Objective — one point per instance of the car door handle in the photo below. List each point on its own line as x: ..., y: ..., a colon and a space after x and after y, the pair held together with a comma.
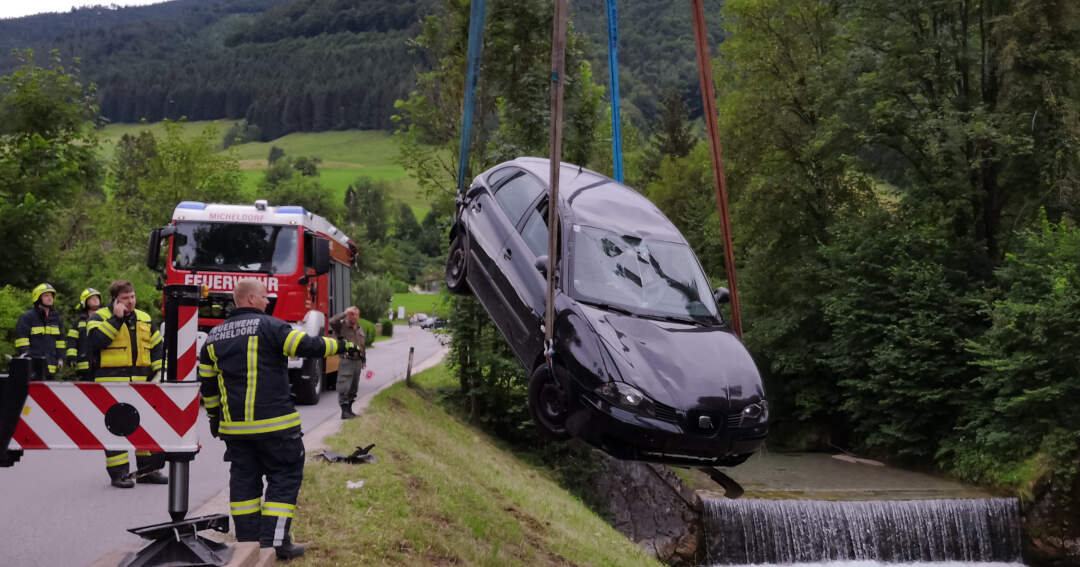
x: 476, y: 207
x: 507, y: 254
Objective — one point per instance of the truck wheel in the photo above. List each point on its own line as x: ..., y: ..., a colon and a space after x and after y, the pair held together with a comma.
x: 548, y: 404
x: 455, y: 266
x: 308, y: 390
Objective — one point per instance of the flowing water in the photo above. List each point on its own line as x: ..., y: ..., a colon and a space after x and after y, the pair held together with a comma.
x: 970, y: 532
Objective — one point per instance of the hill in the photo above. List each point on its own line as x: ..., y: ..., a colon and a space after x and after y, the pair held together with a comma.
x: 314, y: 65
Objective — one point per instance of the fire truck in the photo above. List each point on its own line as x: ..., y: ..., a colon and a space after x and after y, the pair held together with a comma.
x: 304, y: 261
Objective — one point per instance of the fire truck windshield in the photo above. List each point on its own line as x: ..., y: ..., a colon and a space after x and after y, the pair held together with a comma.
x: 234, y: 247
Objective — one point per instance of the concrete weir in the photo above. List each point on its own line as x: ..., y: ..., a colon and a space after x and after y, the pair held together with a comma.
x: 755, y: 531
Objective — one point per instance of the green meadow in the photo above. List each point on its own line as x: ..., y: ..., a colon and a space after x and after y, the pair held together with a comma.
x: 346, y: 156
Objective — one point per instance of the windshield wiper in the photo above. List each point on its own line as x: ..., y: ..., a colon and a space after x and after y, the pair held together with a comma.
x: 609, y: 307
x: 673, y: 319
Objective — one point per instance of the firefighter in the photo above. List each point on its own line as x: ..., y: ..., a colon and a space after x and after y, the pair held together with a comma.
x: 37, y: 333
x: 77, y: 348
x: 245, y: 389
x: 124, y: 347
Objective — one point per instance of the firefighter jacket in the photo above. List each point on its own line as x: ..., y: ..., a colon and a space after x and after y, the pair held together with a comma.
x: 39, y: 336
x: 243, y: 367
x: 78, y: 348
x: 127, y: 349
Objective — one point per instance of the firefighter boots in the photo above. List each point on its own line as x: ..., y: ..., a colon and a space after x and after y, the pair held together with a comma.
x: 289, y: 550
x: 346, y: 411
x: 153, y: 478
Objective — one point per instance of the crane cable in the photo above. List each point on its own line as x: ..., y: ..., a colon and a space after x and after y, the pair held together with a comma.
x: 558, y: 64
x: 708, y: 97
x: 613, y: 72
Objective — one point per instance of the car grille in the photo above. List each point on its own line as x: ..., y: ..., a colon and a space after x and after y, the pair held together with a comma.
x: 734, y: 420
x: 666, y: 413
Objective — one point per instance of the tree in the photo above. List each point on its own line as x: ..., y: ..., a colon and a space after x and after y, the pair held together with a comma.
x: 276, y: 153
x: 47, y: 163
x: 365, y: 204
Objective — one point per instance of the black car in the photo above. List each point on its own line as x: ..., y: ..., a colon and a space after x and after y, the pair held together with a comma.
x: 644, y: 366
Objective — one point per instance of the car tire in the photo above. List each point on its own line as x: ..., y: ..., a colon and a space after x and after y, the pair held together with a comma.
x: 548, y: 404
x: 308, y: 391
x: 456, y: 261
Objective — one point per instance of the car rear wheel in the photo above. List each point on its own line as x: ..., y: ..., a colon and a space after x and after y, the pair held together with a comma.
x: 455, y: 266
x: 548, y: 404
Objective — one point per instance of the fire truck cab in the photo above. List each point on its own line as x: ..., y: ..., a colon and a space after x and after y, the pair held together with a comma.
x: 304, y: 261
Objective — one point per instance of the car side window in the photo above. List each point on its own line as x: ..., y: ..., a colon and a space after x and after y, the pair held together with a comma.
x: 498, y: 176
x: 535, y: 232
x: 515, y: 195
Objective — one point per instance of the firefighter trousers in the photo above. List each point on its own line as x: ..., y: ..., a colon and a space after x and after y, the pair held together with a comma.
x: 116, y: 462
x: 258, y: 517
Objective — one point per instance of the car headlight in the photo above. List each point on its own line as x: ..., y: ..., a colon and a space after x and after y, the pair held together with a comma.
x: 754, y: 413
x: 625, y: 396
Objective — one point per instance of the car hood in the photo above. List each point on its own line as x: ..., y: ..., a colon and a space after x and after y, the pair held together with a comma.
x: 681, y: 365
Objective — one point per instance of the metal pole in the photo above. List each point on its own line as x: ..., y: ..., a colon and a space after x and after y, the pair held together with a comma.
x: 408, y: 370
x: 558, y: 64
x: 708, y: 96
x: 476, y: 48
x: 613, y: 71
x: 178, y: 489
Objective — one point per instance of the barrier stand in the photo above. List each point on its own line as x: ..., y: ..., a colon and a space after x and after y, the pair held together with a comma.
x: 125, y: 416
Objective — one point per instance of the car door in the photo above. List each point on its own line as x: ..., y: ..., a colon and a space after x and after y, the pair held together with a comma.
x: 492, y: 219
x: 524, y: 287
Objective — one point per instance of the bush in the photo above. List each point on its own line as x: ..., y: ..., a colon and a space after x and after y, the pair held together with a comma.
x: 387, y: 327
x: 371, y: 295
x: 13, y: 301
x: 369, y: 331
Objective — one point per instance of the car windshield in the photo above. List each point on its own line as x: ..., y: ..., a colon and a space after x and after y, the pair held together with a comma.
x: 232, y: 247
x: 648, y: 277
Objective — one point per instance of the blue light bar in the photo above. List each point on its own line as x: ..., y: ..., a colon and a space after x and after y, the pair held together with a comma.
x: 193, y: 205
x: 292, y: 209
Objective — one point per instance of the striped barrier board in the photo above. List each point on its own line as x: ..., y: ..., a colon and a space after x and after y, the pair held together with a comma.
x: 119, y: 416
x: 187, y: 357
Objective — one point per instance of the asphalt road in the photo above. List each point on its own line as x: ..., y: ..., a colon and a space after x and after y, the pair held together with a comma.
x: 57, y: 507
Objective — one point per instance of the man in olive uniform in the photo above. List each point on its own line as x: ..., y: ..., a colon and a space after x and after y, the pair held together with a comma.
x: 347, y: 326
x: 37, y: 332
x: 243, y: 369
x: 78, y: 352
x: 124, y: 347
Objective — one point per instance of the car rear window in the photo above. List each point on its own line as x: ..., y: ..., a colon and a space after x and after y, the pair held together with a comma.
x: 517, y: 194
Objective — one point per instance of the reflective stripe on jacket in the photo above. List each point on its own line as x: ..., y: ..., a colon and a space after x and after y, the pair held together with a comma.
x: 40, y: 335
x: 245, y: 377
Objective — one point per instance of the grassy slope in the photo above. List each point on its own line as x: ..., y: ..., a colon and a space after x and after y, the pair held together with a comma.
x: 346, y: 156
x: 443, y: 493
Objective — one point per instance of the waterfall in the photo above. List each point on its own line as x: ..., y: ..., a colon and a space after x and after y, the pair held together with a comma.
x: 751, y: 531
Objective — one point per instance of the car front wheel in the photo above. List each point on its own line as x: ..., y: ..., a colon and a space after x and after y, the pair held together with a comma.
x: 455, y: 266
x: 547, y: 404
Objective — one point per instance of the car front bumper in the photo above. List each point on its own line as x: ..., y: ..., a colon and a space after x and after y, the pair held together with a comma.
x: 631, y: 436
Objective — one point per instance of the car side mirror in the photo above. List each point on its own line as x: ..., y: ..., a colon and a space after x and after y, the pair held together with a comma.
x: 474, y: 191
x: 722, y: 295
x: 542, y: 265
x: 322, y: 256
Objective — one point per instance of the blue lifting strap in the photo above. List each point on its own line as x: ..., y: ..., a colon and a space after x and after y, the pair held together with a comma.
x: 613, y: 69
x: 476, y: 48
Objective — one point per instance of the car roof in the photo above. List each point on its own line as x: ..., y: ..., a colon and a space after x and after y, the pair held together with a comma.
x: 593, y: 199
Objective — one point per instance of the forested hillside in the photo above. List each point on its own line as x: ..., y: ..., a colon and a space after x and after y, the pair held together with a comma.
x: 316, y: 65
x: 285, y: 66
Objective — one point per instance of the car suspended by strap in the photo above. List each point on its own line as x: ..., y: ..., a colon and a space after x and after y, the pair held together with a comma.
x: 645, y: 366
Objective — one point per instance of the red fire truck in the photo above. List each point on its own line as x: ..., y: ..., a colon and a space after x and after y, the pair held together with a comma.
x: 304, y: 261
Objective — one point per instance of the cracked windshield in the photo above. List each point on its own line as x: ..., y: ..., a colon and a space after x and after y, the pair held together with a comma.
x: 649, y: 277
x: 235, y: 248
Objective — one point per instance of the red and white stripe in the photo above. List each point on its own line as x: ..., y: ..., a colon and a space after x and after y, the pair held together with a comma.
x: 71, y: 415
x: 187, y: 355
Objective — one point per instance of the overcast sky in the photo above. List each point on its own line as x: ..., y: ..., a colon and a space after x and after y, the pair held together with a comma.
x: 17, y: 8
